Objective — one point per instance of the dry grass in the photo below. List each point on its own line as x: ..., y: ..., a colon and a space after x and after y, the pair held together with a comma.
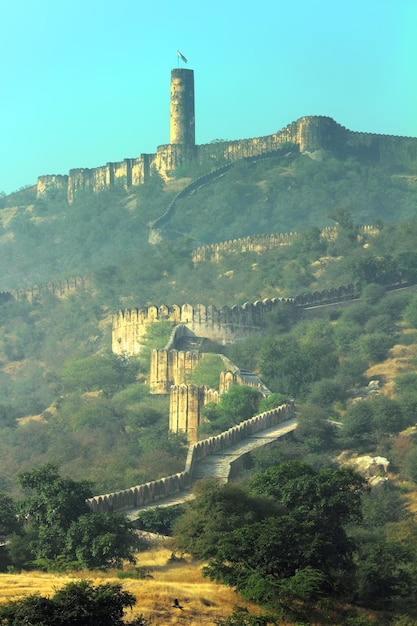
x: 399, y: 361
x: 203, y: 601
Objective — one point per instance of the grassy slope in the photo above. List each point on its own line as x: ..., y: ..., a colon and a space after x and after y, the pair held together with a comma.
x: 203, y: 600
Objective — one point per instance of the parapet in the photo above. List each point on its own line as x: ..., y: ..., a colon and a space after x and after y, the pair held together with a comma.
x: 225, y: 324
x: 307, y: 134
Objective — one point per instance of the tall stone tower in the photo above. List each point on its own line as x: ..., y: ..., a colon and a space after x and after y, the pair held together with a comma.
x: 182, y: 122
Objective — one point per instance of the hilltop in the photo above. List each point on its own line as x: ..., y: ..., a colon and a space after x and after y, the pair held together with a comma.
x: 106, y: 230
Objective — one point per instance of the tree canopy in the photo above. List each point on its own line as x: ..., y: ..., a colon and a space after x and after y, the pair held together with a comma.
x: 78, y: 602
x: 62, y: 531
x: 289, y: 525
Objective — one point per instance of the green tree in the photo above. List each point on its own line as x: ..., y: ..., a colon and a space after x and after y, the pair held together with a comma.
x: 372, y: 293
x: 101, y: 540
x: 406, y: 264
x: 215, y: 511
x: 383, y: 573
x: 207, y: 371
x: 304, y: 549
x: 411, y: 464
x: 325, y: 392
x: 289, y: 367
x: 269, y: 482
x: 159, y: 520
x: 79, y: 603
x: 334, y: 495
x: 375, y: 347
x: 107, y: 373
x: 257, y: 559
x: 63, y: 528
x: 9, y: 522
x: 55, y: 500
x: 272, y: 401
x: 410, y: 313
x: 282, y: 366
x: 358, y: 425
x: 387, y: 415
x: 314, y: 430
x: 238, y: 404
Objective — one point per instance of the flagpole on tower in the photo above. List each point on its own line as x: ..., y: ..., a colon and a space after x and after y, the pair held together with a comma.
x: 182, y: 57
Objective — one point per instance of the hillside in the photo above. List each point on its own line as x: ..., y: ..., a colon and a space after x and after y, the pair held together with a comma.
x: 203, y: 600
x: 278, y: 194
x: 105, y: 236
x: 65, y: 398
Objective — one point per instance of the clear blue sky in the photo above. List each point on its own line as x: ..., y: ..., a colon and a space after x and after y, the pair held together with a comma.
x: 87, y: 81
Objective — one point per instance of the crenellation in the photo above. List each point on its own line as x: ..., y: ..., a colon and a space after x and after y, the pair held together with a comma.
x: 223, y: 325
x: 260, y: 243
x: 59, y: 289
x: 51, y: 181
x: 308, y: 134
x: 154, y: 491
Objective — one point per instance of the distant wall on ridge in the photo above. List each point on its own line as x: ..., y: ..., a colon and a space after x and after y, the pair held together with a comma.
x: 308, y: 134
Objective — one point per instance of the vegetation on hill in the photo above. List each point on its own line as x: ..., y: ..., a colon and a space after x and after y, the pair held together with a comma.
x: 279, y: 194
x: 65, y: 399
x: 77, y: 603
x: 53, y: 528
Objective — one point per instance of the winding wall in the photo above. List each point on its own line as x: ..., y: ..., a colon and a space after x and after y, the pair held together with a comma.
x: 156, y: 490
x: 225, y: 325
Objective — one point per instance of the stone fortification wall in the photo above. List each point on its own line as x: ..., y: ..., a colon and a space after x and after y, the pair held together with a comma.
x: 185, y: 408
x: 154, y: 491
x: 239, y: 377
x: 51, y: 181
x: 186, y: 401
x: 259, y: 243
x: 308, y: 134
x: 129, y: 173
x: 387, y: 149
x: 170, y: 367
x: 196, y: 184
x: 59, y: 289
x: 225, y: 324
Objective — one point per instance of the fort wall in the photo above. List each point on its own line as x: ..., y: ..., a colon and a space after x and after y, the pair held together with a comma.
x: 307, y: 134
x: 170, y: 367
x: 225, y: 324
x: 237, y: 377
x: 260, y: 243
x: 60, y: 289
x: 154, y: 491
x: 185, y: 408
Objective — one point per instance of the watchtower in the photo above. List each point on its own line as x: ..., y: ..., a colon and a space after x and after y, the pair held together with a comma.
x: 182, y: 120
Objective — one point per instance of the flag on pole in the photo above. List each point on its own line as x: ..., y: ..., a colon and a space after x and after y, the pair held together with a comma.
x: 182, y: 57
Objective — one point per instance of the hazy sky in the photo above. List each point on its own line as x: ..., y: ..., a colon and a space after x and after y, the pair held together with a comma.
x: 87, y: 81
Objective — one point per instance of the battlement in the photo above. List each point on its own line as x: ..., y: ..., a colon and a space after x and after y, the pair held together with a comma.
x: 307, y: 134
x: 157, y: 490
x: 60, y: 289
x: 222, y: 325
x: 259, y: 243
